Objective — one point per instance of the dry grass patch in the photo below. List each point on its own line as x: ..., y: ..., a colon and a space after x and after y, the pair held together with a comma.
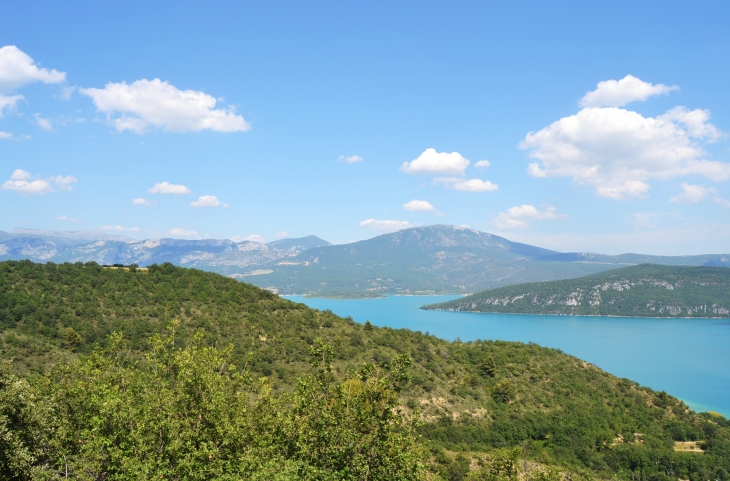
x: 688, y: 447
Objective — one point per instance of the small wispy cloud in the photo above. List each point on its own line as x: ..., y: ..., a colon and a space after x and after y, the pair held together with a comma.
x: 350, y: 159
x: 43, y: 123
x: 723, y: 202
x: 418, y: 206
x: 206, y: 201
x: 254, y: 238
x: 168, y: 188
x: 141, y: 201
x: 432, y: 162
x: 12, y: 136
x: 467, y: 185
x: 692, y: 194
x: 180, y: 232
x: 520, y: 216
x: 118, y: 228
x: 385, y: 225
x: 63, y: 218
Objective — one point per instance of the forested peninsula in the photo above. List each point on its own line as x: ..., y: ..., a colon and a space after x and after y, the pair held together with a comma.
x: 645, y: 290
x: 173, y: 373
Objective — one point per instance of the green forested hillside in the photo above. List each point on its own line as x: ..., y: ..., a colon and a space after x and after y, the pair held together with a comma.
x: 644, y: 291
x: 474, y: 398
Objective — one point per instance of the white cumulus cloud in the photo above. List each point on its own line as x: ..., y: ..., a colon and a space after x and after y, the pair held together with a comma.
x: 419, y: 206
x: 22, y: 182
x: 18, y: 69
x: 615, y: 93
x: 168, y: 188
x: 467, y: 185
x: 20, y: 174
x: 180, y: 232
x: 255, y: 238
x: 350, y: 159
x: 33, y: 187
x: 692, y: 193
x: 206, y: 201
x: 481, y: 164
x: 520, y: 216
x: 696, y: 122
x: 617, y: 151
x: 155, y: 103
x: 64, y: 183
x: 385, y: 225
x: 475, y: 185
x: 432, y: 162
x: 141, y: 201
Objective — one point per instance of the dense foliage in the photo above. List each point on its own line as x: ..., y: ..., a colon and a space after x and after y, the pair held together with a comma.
x: 644, y: 291
x: 477, y: 400
x: 188, y: 413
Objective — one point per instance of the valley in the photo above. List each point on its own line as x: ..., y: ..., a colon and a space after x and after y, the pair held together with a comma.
x: 475, y: 398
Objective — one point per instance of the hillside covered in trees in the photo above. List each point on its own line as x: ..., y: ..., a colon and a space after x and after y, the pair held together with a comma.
x: 173, y: 373
x: 645, y: 290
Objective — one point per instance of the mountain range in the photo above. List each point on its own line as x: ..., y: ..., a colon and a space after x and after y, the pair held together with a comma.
x: 421, y: 260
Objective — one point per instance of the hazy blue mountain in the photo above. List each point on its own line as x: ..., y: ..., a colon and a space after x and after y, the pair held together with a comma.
x: 645, y: 290
x: 721, y: 260
x: 432, y: 259
x: 210, y: 254
x: 35, y: 249
x: 438, y: 259
x: 298, y: 244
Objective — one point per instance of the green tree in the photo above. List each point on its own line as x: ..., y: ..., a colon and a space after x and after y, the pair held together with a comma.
x: 503, y: 391
x: 354, y: 428
x: 186, y: 412
x: 502, y: 466
x: 24, y: 426
x: 71, y: 339
x: 488, y: 367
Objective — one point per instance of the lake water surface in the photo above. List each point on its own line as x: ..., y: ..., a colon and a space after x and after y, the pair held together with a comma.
x: 688, y: 358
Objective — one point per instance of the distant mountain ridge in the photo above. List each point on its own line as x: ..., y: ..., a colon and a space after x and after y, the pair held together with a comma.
x: 645, y: 290
x: 632, y: 259
x: 434, y: 259
x: 438, y: 259
x: 208, y: 254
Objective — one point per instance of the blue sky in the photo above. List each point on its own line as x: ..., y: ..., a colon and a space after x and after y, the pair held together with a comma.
x: 292, y: 118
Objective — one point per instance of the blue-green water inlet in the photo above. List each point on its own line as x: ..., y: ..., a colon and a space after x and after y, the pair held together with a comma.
x: 688, y: 358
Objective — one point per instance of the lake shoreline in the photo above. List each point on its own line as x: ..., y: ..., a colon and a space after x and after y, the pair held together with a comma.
x: 689, y: 360
x: 572, y: 315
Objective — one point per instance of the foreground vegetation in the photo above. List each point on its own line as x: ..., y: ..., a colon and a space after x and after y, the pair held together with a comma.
x: 187, y: 399
x: 644, y: 291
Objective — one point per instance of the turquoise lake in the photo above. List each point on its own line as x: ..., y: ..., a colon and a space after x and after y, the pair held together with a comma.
x: 688, y: 358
